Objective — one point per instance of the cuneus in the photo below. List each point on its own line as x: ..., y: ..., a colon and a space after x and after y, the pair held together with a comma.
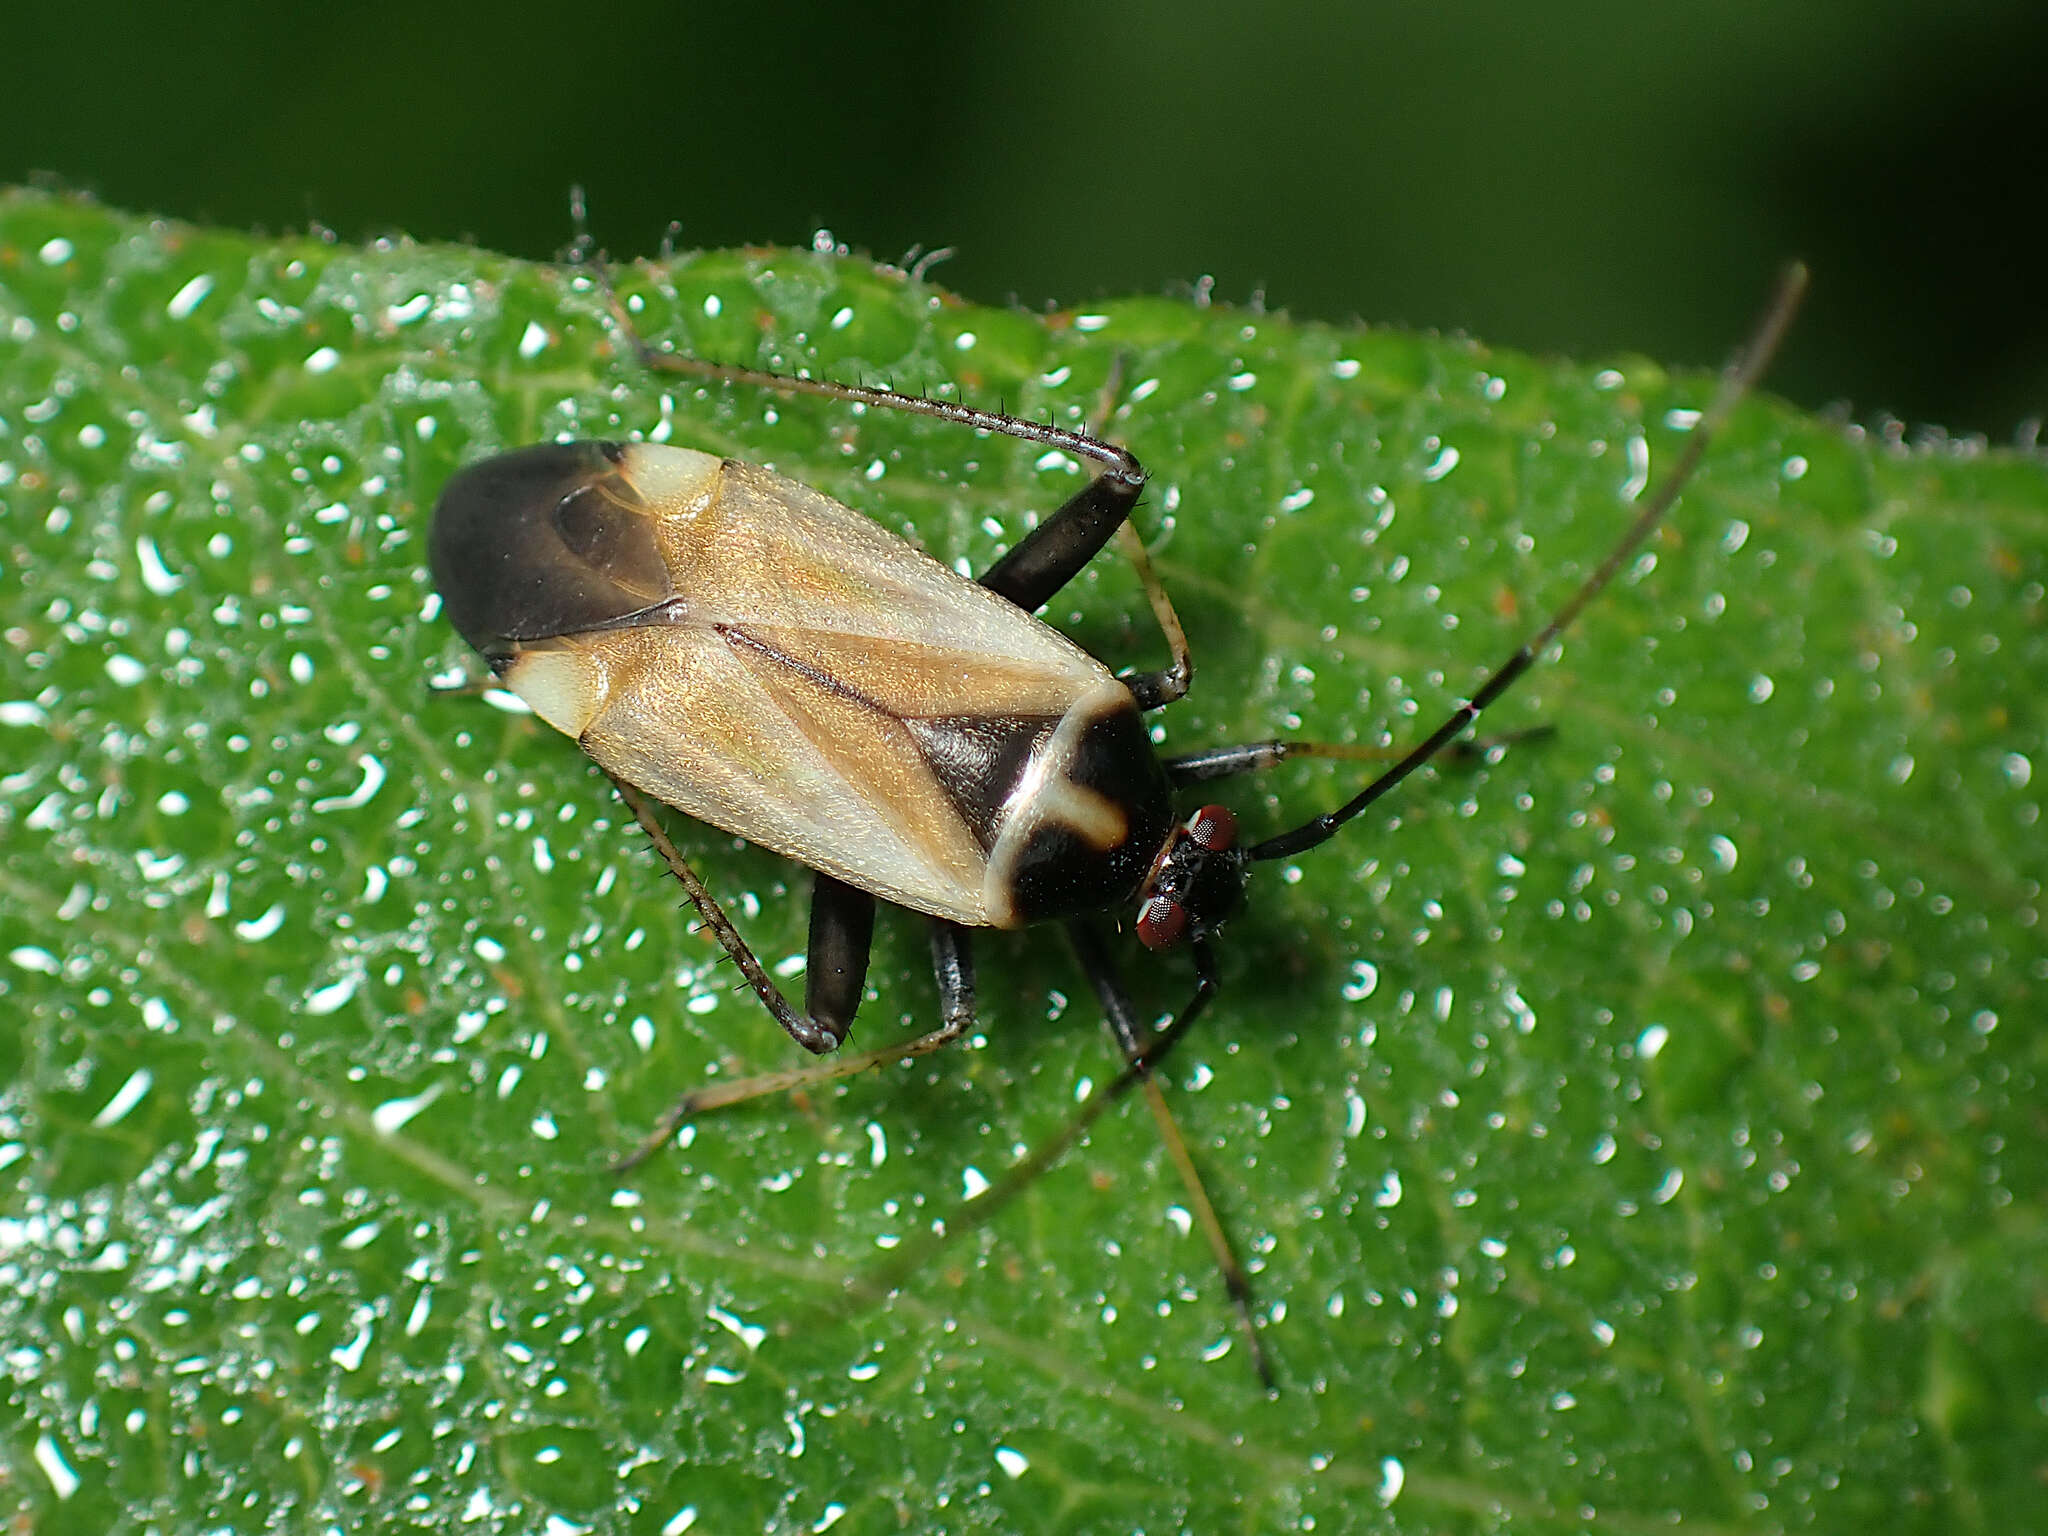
x: 750, y: 651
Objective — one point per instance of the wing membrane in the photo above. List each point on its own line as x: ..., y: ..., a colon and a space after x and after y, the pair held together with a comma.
x: 790, y: 693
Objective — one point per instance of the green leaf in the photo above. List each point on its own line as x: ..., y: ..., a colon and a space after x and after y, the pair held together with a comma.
x: 1644, y: 1127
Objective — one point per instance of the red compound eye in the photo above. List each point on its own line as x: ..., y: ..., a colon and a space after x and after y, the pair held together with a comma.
x: 1161, y: 922
x: 1214, y: 828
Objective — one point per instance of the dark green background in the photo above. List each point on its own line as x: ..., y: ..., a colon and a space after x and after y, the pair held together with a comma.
x: 1581, y: 177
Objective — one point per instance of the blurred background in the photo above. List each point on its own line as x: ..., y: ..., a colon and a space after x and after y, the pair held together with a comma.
x: 1583, y: 175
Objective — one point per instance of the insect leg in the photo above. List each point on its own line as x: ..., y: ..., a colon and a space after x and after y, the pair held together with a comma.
x: 952, y: 960
x: 1152, y: 689
x: 1141, y: 1054
x: 953, y: 965
x: 877, y: 1283
x: 836, y: 960
x: 1051, y: 554
x: 842, y: 924
x: 1117, y: 464
x: 1054, y: 552
x: 807, y: 1032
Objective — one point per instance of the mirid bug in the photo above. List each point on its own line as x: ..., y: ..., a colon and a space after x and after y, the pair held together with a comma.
x: 765, y: 659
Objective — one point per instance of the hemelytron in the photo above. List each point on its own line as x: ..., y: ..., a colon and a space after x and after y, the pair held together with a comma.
x: 765, y: 659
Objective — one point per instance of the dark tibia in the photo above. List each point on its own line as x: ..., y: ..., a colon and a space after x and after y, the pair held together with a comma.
x: 842, y: 929
x: 1052, y: 554
x: 953, y: 965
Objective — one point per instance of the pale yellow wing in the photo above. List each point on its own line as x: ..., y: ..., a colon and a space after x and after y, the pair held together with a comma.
x: 777, y: 698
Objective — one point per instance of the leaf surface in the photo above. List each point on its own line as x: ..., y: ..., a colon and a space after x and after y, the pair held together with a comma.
x: 1641, y: 1127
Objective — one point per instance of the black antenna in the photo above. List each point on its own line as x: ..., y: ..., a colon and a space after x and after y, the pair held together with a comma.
x: 1735, y: 384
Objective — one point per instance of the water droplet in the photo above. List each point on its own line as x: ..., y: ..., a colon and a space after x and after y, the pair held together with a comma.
x: 1392, y: 1476
x: 1365, y: 980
